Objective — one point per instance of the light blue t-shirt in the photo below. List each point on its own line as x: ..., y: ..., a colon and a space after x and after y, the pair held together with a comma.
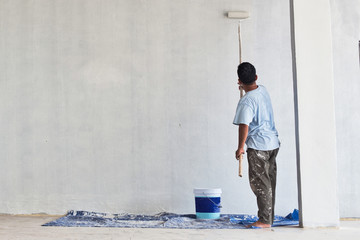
x: 255, y: 110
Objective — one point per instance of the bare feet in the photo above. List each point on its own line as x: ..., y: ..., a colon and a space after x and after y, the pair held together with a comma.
x: 258, y: 225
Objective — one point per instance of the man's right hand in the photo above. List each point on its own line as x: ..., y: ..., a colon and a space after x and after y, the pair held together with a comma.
x: 238, y: 153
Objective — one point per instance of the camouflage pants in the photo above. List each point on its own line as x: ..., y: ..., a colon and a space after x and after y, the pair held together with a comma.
x: 262, y: 177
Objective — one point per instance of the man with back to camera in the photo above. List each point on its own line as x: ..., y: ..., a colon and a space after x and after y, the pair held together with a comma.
x: 255, y: 118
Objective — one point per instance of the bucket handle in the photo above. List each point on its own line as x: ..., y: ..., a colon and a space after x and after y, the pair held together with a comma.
x: 216, y: 204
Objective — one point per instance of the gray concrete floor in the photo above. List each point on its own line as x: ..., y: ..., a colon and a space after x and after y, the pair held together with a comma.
x: 29, y: 227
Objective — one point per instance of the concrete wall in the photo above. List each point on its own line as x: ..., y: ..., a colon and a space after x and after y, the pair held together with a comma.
x: 128, y: 105
x: 346, y: 37
x: 313, y: 71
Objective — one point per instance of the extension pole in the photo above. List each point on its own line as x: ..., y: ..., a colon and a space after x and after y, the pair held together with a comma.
x: 240, y: 58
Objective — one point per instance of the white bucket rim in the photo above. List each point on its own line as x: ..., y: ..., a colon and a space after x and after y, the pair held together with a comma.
x: 207, y: 191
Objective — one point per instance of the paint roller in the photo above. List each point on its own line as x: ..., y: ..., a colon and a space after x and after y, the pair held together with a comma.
x: 241, y: 15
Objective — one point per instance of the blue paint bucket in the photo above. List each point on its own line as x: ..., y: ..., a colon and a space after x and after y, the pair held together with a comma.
x: 207, y: 203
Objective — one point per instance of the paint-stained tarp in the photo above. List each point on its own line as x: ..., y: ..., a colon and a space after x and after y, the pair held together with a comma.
x: 164, y: 220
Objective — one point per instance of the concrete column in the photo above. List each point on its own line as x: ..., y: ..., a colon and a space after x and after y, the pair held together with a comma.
x: 315, y: 113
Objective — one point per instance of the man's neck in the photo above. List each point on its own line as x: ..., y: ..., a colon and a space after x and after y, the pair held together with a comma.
x: 248, y: 88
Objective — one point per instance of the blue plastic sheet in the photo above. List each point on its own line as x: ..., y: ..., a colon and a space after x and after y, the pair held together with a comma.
x: 164, y: 220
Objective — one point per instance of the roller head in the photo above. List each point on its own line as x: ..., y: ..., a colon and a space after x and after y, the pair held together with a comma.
x: 238, y: 15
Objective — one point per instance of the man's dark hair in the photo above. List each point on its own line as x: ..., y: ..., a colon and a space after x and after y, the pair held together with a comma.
x: 246, y: 73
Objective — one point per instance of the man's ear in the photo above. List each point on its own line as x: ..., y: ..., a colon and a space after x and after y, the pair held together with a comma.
x: 255, y: 77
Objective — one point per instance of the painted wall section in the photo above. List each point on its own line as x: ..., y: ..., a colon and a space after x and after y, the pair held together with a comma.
x: 127, y: 105
x: 316, y: 113
x: 346, y: 36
